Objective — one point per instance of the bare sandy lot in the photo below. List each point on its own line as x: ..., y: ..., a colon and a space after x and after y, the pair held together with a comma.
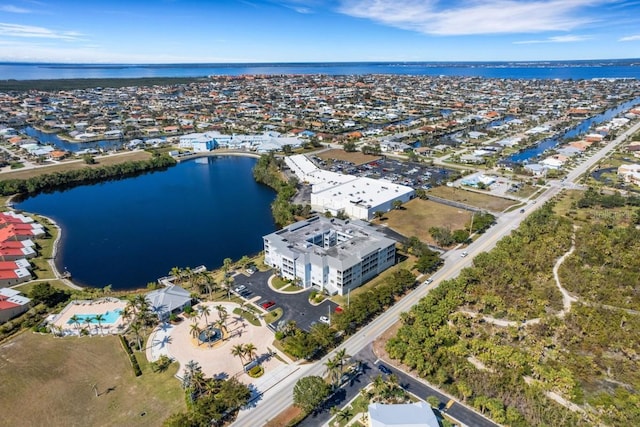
x: 356, y: 157
x: 473, y: 198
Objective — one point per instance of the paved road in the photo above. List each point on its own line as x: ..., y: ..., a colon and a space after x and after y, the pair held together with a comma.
x: 352, y: 388
x: 281, y: 397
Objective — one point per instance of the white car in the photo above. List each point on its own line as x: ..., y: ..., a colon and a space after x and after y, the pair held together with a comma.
x: 464, y: 254
x: 324, y: 319
x: 428, y: 281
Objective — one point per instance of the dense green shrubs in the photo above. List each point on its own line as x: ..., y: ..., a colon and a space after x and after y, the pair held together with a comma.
x: 132, y: 357
x: 267, y: 171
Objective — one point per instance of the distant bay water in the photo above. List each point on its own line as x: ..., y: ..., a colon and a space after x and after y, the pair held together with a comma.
x: 130, y: 232
x: 622, y: 68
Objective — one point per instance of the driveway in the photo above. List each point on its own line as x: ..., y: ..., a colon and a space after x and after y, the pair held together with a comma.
x: 295, y: 306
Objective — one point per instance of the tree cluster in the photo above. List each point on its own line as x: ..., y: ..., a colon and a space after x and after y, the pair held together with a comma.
x: 587, y: 356
x: 364, y: 306
x: 210, y: 401
x: 592, y: 198
x: 70, y: 178
x: 267, y: 171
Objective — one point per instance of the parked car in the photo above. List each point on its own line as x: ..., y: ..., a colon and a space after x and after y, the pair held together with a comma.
x: 267, y: 304
x: 464, y: 254
x: 240, y: 288
x: 428, y: 281
x: 324, y: 319
x: 384, y: 369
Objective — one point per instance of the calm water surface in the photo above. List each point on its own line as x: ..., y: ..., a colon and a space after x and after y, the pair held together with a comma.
x: 130, y: 232
x: 621, y: 68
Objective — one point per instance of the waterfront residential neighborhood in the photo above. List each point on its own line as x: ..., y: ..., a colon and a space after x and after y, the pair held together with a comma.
x: 442, y: 245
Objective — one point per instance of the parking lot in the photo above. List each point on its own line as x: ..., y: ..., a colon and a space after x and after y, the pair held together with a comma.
x: 416, y: 175
x: 295, y: 306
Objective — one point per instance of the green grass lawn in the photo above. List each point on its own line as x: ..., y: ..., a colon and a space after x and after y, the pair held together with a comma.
x: 49, y: 381
x: 247, y: 315
x: 273, y: 315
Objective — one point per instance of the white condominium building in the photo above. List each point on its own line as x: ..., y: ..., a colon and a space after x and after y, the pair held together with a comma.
x: 332, y: 255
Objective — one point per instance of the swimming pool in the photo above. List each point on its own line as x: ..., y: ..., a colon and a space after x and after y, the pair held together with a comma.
x: 110, y: 317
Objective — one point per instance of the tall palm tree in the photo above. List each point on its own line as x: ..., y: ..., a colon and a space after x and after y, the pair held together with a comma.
x: 341, y: 358
x: 333, y: 370
x: 75, y: 319
x: 250, y: 350
x: 135, y: 328
x: 205, y: 311
x: 176, y: 272
x: 88, y: 321
x: 127, y: 312
x: 195, y: 331
x: 100, y: 318
x: 238, y: 350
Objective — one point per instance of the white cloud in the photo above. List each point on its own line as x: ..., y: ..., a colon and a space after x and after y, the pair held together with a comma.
x: 13, y: 9
x: 300, y: 6
x: 30, y: 31
x: 630, y: 38
x: 556, y: 39
x: 467, y: 17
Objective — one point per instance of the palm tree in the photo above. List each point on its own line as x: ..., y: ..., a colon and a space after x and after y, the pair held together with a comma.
x: 333, y: 370
x: 228, y: 283
x: 238, y: 350
x: 100, y: 318
x: 250, y: 350
x: 195, y: 331
x: 135, y: 328
x: 75, y: 319
x: 341, y: 358
x: 344, y: 415
x: 176, y: 272
x: 205, y: 311
x: 222, y: 310
x: 88, y: 321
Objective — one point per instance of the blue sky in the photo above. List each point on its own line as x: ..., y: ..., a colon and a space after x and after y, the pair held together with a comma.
x: 173, y: 31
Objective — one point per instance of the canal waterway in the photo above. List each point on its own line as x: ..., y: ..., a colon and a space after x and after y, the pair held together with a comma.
x: 74, y: 147
x: 129, y: 232
x: 582, y: 128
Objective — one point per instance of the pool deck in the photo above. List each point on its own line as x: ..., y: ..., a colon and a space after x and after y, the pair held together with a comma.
x: 88, y: 307
x: 216, y: 360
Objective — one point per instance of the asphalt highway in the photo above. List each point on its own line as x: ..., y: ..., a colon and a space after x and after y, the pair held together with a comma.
x: 274, y: 401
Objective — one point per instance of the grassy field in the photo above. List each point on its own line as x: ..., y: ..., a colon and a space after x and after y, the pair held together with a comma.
x: 479, y: 200
x: 76, y: 164
x: 419, y: 215
x: 48, y: 381
x: 356, y: 157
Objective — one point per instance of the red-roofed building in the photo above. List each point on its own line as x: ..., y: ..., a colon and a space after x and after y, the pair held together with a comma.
x: 13, y: 265
x: 14, y: 277
x: 12, y: 304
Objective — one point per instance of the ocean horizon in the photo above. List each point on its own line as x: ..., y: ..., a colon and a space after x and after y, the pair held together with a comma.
x: 553, y: 69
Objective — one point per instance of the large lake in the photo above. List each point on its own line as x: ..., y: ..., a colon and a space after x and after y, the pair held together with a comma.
x: 129, y: 232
